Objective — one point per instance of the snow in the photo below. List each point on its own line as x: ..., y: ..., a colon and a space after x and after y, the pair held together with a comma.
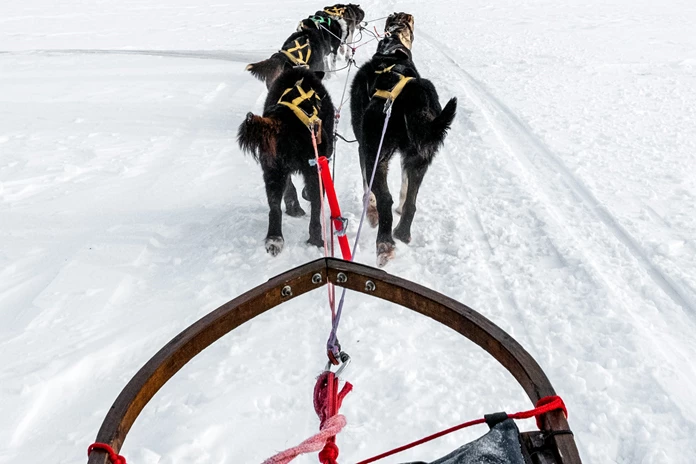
x: 562, y: 207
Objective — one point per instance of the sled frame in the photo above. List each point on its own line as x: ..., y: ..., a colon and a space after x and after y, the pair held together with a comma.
x: 556, y: 443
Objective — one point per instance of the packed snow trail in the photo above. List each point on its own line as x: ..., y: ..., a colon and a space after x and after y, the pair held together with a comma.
x: 561, y: 207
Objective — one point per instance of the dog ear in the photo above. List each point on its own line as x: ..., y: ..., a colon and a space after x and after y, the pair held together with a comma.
x: 320, y: 74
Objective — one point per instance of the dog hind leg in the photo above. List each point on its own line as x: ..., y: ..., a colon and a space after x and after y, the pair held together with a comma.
x: 292, y: 204
x: 372, y: 214
x: 312, y: 190
x: 415, y: 176
x: 275, y: 185
x: 402, y: 192
x: 327, y: 67
x: 384, y: 202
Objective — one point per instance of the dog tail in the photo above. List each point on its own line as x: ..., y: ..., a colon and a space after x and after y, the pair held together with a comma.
x: 267, y: 70
x: 428, y: 132
x: 257, y: 135
x: 442, y: 123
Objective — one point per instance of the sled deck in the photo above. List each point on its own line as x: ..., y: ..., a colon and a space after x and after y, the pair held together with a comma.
x: 553, y: 444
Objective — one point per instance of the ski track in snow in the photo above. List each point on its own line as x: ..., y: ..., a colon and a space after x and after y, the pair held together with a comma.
x: 510, y: 123
x: 485, y: 248
x: 220, y: 55
x: 515, y: 138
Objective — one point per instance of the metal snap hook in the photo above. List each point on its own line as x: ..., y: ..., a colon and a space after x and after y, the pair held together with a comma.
x: 345, y: 361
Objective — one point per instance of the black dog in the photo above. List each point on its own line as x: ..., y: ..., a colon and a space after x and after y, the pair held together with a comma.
x: 417, y: 128
x: 306, y: 48
x: 401, y: 26
x: 332, y: 29
x: 352, y: 14
x: 281, y: 142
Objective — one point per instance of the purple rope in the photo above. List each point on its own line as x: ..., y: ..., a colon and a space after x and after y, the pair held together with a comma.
x: 345, y: 86
x: 332, y: 343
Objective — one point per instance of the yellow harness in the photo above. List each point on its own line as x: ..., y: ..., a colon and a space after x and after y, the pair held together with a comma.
x: 301, y: 59
x: 390, y: 95
x: 309, y: 120
x: 335, y: 11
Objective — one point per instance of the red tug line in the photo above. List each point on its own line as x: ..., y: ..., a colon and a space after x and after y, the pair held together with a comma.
x: 339, y: 222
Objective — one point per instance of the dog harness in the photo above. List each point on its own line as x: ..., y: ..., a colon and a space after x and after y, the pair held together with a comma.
x: 305, y: 105
x: 390, y: 95
x: 321, y: 20
x: 335, y: 11
x: 317, y: 21
x: 301, y: 59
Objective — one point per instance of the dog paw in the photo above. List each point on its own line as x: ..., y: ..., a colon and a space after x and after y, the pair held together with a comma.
x: 402, y: 234
x: 295, y: 210
x: 274, y: 245
x: 317, y: 242
x: 385, y: 253
x: 305, y: 194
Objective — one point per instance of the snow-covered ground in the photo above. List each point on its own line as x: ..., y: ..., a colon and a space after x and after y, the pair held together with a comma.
x: 562, y: 207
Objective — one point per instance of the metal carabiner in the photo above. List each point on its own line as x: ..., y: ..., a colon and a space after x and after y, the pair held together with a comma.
x: 345, y: 361
x: 344, y: 225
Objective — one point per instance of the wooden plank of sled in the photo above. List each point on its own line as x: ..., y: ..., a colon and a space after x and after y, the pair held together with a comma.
x: 173, y: 356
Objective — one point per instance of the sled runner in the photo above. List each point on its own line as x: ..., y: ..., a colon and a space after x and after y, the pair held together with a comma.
x: 553, y: 444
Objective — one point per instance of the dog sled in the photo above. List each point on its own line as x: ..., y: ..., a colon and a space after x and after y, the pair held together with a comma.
x: 552, y: 444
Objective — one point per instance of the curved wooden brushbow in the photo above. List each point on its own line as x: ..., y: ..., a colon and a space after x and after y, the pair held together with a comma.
x: 182, y: 348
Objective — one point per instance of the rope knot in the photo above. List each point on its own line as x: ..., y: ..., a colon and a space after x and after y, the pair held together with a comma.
x: 329, y: 454
x: 552, y: 403
x: 114, y: 457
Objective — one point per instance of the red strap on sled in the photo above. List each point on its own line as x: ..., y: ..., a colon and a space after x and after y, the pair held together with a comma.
x: 336, y: 218
x: 114, y: 457
x: 544, y: 405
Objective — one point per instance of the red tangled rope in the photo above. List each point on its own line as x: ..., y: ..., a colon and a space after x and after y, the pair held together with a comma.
x: 315, y: 443
x: 544, y: 405
x: 113, y: 455
x: 327, y: 401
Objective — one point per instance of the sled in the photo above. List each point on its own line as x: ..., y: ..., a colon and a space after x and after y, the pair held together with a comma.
x: 553, y: 444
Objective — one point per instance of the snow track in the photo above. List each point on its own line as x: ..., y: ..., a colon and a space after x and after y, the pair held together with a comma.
x: 574, y: 213
x: 538, y: 158
x: 220, y: 55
